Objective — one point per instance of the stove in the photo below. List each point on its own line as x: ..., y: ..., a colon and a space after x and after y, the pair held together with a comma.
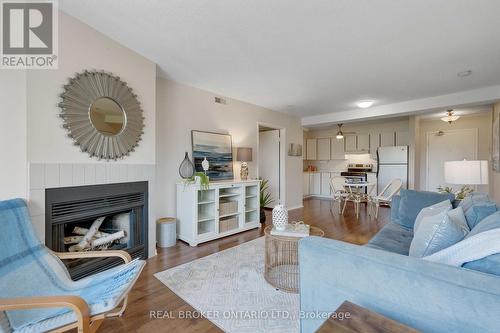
x: 357, y: 173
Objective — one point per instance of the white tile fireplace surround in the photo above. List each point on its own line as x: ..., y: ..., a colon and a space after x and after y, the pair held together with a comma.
x: 43, y: 175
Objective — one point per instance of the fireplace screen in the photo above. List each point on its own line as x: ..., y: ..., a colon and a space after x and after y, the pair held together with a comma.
x: 97, y: 218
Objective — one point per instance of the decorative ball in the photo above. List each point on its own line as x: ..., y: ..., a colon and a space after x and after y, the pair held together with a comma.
x: 280, y: 217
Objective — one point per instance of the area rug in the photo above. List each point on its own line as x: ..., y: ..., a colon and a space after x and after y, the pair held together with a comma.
x: 229, y: 289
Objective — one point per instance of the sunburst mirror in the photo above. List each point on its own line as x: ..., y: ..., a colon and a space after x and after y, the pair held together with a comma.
x: 102, y: 115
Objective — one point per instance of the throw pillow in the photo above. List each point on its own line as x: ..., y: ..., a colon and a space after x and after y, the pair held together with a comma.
x: 437, y: 232
x: 488, y: 223
x: 413, y: 201
x: 431, y: 210
x: 472, y: 198
x: 479, y: 211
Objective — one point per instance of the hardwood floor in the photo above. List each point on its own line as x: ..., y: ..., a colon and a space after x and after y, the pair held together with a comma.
x: 149, y: 294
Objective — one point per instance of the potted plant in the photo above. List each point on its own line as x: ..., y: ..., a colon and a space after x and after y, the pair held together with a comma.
x: 460, y: 194
x: 265, y: 198
x: 203, y: 179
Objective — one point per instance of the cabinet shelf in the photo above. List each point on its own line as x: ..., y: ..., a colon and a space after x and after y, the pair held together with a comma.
x: 227, y: 215
x: 250, y: 210
x: 205, y: 218
x: 227, y: 195
x: 205, y: 202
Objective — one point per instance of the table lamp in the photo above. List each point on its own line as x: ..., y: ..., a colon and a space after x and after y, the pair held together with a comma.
x: 466, y: 172
x: 244, y: 155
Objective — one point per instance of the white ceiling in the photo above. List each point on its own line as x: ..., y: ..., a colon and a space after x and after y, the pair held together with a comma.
x: 309, y: 57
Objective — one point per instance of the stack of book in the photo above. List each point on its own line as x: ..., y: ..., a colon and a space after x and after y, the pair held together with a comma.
x: 294, y: 229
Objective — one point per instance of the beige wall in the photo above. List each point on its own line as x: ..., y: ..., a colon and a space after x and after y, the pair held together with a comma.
x: 182, y: 108
x: 481, y: 121
x: 495, y: 176
x: 13, y: 145
x: 83, y: 48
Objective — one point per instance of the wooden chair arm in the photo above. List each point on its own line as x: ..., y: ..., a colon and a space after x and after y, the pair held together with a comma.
x: 75, y: 303
x: 95, y: 254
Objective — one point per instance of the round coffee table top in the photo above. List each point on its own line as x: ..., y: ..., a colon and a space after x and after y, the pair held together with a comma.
x: 313, y: 231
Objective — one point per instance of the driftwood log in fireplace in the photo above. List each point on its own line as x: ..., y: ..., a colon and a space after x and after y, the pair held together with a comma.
x: 97, y: 217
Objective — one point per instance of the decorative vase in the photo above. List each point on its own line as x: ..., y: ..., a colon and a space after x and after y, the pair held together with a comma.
x: 262, y: 215
x: 280, y: 217
x: 205, y: 165
x: 186, y: 169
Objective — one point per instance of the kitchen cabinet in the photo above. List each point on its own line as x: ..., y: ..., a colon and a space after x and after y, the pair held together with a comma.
x: 374, y: 144
x: 350, y: 143
x: 337, y: 149
x: 402, y: 138
x: 363, y: 142
x: 311, y: 149
x: 315, y: 185
x: 325, y: 183
x: 323, y: 149
x: 306, y: 183
x: 387, y: 139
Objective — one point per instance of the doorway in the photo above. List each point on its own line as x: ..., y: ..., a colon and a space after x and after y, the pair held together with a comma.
x: 271, y: 160
x: 449, y: 145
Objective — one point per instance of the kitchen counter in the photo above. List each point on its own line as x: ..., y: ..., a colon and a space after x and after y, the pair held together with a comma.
x: 324, y: 171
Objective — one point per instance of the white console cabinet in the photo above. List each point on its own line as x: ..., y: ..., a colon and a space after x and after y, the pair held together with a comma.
x: 226, y: 208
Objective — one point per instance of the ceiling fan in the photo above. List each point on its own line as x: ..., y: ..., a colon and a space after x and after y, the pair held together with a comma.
x: 340, y: 134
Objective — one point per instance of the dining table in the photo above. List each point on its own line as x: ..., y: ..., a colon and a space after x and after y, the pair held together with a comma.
x: 356, y: 193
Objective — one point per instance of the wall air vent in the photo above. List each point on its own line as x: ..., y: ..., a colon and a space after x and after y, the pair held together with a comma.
x: 220, y: 100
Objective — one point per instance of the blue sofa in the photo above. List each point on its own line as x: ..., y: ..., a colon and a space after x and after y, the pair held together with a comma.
x: 380, y: 276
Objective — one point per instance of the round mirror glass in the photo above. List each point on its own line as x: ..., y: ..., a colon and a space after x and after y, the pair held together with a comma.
x: 107, y: 116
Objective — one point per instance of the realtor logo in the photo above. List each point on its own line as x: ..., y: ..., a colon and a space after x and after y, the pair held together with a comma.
x: 29, y: 35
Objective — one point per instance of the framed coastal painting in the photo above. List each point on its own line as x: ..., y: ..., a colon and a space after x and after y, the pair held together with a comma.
x: 217, y: 149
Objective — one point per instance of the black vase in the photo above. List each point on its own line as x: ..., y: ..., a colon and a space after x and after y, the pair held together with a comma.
x: 186, y: 169
x: 262, y: 215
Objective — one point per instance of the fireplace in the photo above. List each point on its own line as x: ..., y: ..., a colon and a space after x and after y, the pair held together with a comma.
x: 117, y: 212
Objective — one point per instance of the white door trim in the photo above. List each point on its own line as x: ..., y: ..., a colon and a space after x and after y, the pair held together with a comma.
x: 283, y: 152
x: 427, y: 145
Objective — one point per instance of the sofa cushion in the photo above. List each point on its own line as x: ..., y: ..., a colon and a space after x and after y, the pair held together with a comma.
x: 490, y: 264
x: 412, y: 202
x: 431, y: 210
x: 490, y: 222
x: 438, y: 231
x: 478, y: 211
x: 473, y: 198
x: 392, y: 237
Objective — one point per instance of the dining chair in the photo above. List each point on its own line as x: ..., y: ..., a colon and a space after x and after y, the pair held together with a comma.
x: 338, y: 192
x: 355, y: 195
x: 384, y: 197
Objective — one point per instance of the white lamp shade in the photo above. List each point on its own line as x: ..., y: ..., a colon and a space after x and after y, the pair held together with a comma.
x: 466, y: 172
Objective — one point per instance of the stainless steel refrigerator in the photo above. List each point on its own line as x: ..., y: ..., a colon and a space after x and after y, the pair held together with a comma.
x: 392, y: 162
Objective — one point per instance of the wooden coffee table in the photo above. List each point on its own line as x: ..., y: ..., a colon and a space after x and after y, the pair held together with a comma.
x: 356, y: 319
x: 282, y: 259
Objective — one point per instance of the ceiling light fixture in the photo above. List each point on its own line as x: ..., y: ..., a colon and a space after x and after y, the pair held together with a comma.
x: 365, y: 104
x: 450, y: 117
x: 340, y: 135
x: 464, y: 73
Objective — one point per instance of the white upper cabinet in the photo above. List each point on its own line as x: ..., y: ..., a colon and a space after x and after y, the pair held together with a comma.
x: 350, y: 143
x: 402, y: 138
x: 311, y: 149
x: 323, y: 149
x: 338, y: 152
x: 363, y: 144
x: 387, y: 139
